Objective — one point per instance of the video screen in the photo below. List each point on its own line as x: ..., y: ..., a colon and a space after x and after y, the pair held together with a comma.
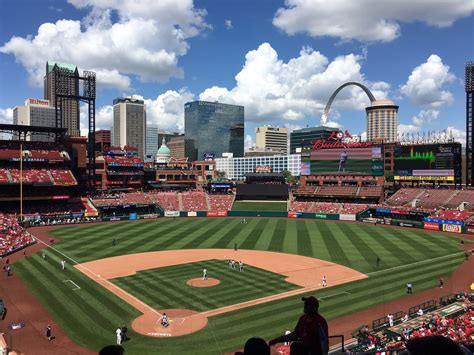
x: 428, y: 162
x: 343, y: 161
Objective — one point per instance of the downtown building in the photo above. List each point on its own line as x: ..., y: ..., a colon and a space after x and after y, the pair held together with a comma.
x: 469, y: 87
x: 130, y: 124
x: 214, y: 128
x: 236, y: 168
x: 274, y: 139
x: 382, y: 121
x: 70, y: 108
x: 36, y: 112
x: 152, y: 142
x: 301, y: 139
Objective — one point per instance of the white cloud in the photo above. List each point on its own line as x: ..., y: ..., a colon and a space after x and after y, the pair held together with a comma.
x: 365, y: 20
x: 249, y: 142
x: 459, y: 135
x: 425, y: 116
x: 146, y: 40
x: 167, y: 110
x: 104, y: 117
x: 271, y: 89
x: 425, y: 85
x: 6, y: 115
x: 228, y: 24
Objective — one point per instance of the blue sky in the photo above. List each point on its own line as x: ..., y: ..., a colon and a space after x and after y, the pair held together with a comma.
x: 281, y: 60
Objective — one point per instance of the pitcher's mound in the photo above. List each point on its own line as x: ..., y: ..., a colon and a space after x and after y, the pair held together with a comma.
x: 199, y: 282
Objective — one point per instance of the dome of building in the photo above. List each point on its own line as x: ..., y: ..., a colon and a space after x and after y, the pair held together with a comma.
x: 382, y: 103
x: 164, y: 153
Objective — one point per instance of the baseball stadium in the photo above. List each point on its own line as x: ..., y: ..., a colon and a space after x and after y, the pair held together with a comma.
x: 102, y: 247
x: 188, y: 262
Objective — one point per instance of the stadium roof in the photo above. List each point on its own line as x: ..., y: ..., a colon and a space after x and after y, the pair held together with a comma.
x: 24, y: 128
x: 313, y: 129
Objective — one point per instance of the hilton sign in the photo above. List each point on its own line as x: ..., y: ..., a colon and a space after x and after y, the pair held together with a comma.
x: 38, y: 102
x: 335, y: 140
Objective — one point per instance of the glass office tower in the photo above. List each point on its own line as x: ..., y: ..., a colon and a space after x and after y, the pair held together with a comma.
x: 214, y: 128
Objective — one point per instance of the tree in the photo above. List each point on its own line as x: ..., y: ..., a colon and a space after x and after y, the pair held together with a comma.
x: 290, y: 179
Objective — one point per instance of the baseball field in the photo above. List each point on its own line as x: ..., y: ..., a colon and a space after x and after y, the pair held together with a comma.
x: 153, y: 264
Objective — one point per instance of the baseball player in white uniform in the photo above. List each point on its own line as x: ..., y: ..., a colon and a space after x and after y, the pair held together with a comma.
x: 204, y: 274
x: 324, y: 281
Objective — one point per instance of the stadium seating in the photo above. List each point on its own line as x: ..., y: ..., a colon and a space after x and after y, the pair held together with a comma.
x: 31, y: 176
x: 220, y: 202
x: 63, y: 177
x: 371, y: 191
x: 327, y: 207
x: 461, y: 196
x: 4, y: 179
x: 194, y: 201
x: 404, y: 196
x: 452, y: 215
x: 169, y: 201
x: 12, y: 236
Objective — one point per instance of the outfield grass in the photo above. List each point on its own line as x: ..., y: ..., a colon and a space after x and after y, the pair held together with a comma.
x: 166, y: 287
x: 90, y: 315
x: 259, y: 206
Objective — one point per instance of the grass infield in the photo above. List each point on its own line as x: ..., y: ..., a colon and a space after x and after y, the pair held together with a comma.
x: 259, y: 206
x: 90, y: 315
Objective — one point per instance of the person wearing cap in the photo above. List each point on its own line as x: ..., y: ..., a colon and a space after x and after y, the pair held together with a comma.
x: 311, y: 331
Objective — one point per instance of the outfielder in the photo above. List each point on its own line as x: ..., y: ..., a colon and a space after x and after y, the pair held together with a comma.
x: 241, y: 266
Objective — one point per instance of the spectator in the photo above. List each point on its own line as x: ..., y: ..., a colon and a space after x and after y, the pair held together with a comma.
x: 311, y: 331
x: 433, y: 345
x: 255, y: 346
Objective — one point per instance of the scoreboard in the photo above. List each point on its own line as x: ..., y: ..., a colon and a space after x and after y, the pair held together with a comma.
x: 428, y: 162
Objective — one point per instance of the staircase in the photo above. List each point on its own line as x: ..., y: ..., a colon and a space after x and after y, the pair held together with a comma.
x: 51, y: 177
x: 452, y: 196
x: 180, y: 202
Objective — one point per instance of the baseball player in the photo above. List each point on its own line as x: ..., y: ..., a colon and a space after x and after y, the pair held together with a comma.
x: 43, y: 255
x: 390, y: 320
x: 241, y: 266
x: 63, y: 264
x: 204, y: 274
x: 164, y: 320
x: 118, y: 333
x: 230, y: 263
x: 233, y: 263
x: 324, y: 281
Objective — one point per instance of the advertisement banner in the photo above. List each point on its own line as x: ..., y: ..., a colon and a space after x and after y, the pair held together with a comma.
x: 320, y: 215
x: 444, y: 221
x: 133, y: 216
x: 294, y: 214
x: 431, y: 226
x: 453, y: 228
x: 347, y: 217
x: 171, y: 213
x: 192, y: 214
x: 217, y: 213
x: 470, y: 229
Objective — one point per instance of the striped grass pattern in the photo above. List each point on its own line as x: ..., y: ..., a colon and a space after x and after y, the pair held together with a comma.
x: 90, y: 315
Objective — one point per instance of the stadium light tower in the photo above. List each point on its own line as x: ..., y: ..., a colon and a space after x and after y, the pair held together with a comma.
x: 469, y: 87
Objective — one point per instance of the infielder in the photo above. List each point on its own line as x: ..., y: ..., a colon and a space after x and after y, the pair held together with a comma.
x: 63, y: 264
x: 204, y: 274
x: 324, y: 281
x: 241, y: 266
x: 164, y: 320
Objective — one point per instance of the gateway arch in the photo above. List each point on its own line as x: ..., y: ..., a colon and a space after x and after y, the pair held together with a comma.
x: 324, y: 117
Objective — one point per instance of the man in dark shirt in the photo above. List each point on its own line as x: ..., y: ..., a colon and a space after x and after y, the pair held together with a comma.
x: 311, y: 331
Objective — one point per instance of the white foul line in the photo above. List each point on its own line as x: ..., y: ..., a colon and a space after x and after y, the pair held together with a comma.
x: 78, y: 265
x: 334, y: 294
x: 75, y: 284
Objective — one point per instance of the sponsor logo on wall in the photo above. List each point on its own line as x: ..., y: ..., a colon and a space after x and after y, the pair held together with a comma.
x: 453, y: 228
x: 171, y: 213
x: 431, y: 226
x: 347, y: 217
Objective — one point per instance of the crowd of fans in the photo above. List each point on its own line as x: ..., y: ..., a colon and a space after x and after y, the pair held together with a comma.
x: 55, y: 176
x: 460, y: 329
x: 327, y: 207
x: 12, y: 236
x: 432, y: 198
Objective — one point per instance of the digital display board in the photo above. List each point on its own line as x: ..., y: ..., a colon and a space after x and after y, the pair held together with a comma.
x: 367, y: 160
x: 428, y: 162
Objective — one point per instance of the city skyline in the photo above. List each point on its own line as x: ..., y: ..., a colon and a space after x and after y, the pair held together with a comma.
x: 267, y: 57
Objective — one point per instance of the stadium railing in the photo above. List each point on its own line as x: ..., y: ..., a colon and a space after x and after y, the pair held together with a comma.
x: 425, y: 306
x: 381, y: 323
